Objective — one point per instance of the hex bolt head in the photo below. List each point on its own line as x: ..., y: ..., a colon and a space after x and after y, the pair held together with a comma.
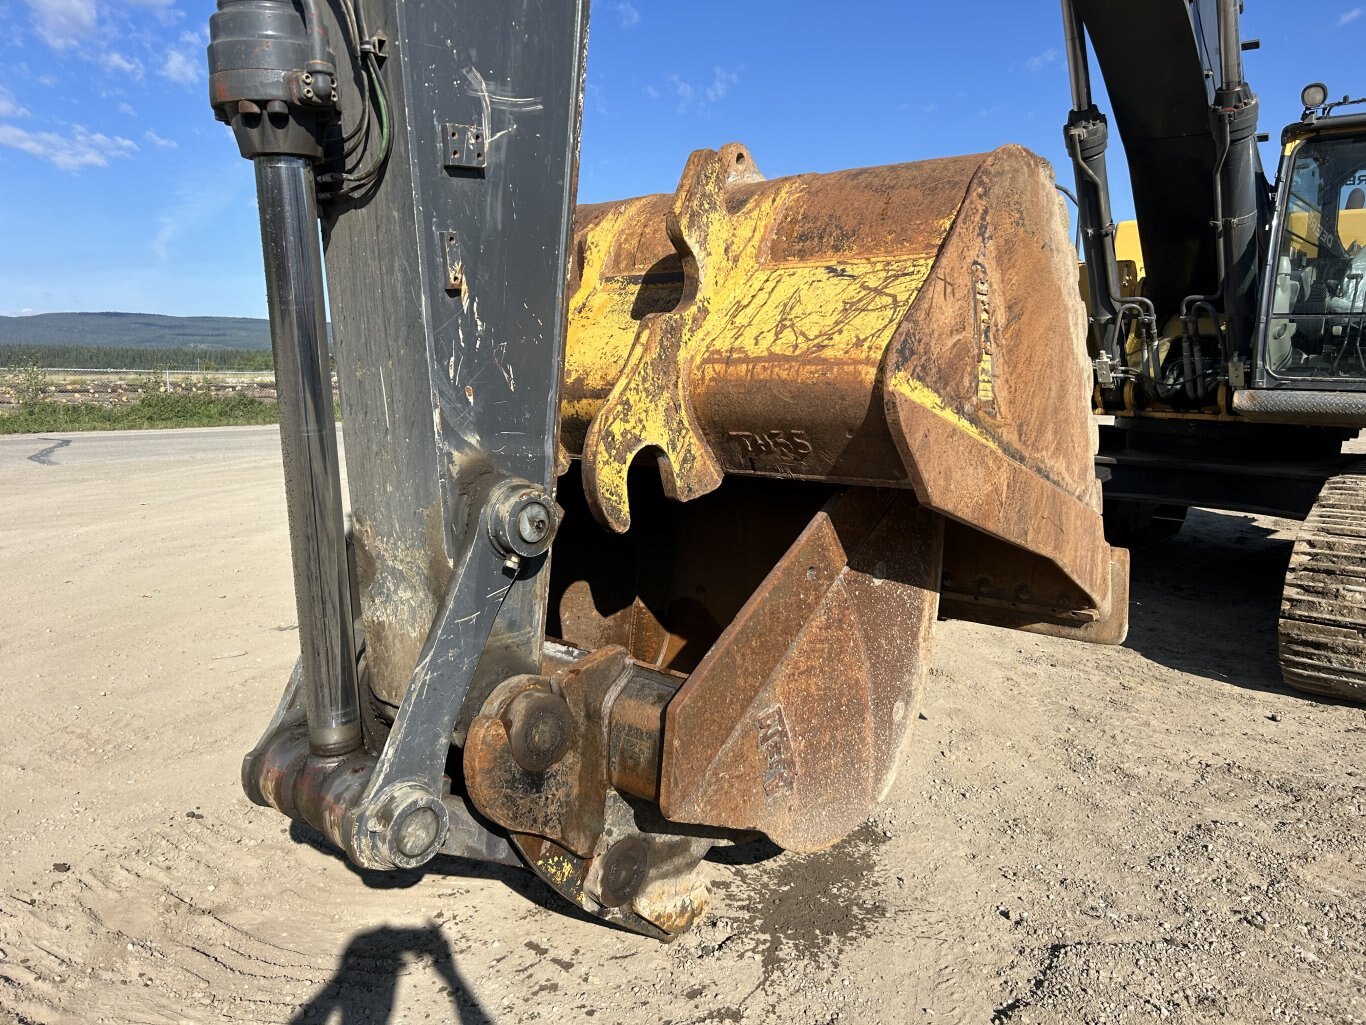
x: 538, y: 728
x: 625, y: 867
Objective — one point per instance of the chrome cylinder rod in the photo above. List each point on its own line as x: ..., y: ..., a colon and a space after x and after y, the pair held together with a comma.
x: 308, y: 440
x: 1078, y: 70
x: 1230, y: 45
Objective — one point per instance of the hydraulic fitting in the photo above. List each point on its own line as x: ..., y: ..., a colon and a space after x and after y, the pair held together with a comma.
x: 272, y: 77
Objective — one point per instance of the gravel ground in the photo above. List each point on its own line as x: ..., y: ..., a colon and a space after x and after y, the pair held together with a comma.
x: 1155, y: 832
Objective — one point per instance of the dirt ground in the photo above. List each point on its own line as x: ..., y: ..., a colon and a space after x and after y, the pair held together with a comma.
x: 1157, y: 831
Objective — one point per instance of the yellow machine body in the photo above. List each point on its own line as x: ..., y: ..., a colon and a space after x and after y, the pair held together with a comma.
x: 914, y: 326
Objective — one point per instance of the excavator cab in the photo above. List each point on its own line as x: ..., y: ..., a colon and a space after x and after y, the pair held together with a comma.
x: 1233, y: 372
x: 1311, y: 333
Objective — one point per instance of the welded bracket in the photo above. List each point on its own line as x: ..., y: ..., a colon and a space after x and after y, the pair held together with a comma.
x: 395, y: 810
x: 408, y: 774
x: 464, y: 146
x: 551, y: 759
x: 453, y: 262
x: 651, y: 404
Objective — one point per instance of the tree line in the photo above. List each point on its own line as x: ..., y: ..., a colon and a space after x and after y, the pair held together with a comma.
x: 114, y: 357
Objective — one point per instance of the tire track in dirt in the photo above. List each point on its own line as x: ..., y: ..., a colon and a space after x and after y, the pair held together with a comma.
x: 1152, y: 833
x: 132, y: 933
x: 142, y: 935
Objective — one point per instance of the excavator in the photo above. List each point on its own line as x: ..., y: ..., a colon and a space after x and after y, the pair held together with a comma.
x: 653, y: 504
x: 1227, y: 321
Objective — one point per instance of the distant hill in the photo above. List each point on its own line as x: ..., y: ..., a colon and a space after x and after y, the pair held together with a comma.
x: 134, y: 331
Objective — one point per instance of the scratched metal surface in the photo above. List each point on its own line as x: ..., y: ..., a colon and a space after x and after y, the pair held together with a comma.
x: 438, y: 383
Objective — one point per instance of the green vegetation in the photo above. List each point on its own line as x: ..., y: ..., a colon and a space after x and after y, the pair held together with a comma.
x: 101, y: 357
x: 27, y: 381
x: 190, y: 409
x: 145, y: 344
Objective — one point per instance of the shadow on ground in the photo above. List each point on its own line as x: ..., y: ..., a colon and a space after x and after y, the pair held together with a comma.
x: 362, y: 990
x: 521, y: 881
x: 1207, y: 601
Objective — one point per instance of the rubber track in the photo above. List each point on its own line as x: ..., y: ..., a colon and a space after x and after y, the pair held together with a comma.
x: 1323, y: 606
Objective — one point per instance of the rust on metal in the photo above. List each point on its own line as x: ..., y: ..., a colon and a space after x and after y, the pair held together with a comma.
x: 566, y: 819
x: 566, y: 801
x: 793, y: 723
x: 669, y: 902
x: 861, y: 400
x: 667, y: 589
x: 989, y: 581
x: 914, y: 326
x: 905, y: 340
x: 650, y: 405
x: 322, y: 792
x: 988, y: 378
x: 636, y: 736
x: 791, y: 726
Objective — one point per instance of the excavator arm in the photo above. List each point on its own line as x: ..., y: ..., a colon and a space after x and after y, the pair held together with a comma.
x: 655, y: 505
x: 1187, y: 120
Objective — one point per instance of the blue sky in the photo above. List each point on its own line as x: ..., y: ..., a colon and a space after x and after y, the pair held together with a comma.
x: 118, y: 190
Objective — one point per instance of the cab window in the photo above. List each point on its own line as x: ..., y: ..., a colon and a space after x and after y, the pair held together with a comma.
x: 1317, y: 327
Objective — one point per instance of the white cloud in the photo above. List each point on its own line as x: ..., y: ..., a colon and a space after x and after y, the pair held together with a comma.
x: 195, y: 204
x: 164, y: 11
x: 9, y: 106
x: 158, y: 141
x: 81, y: 148
x: 1347, y: 17
x: 112, y: 60
x: 62, y: 23
x: 721, y: 82
x: 180, y: 67
x: 683, y: 90
x: 628, y: 14
x: 127, y: 108
x: 698, y: 97
x: 1041, y: 60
